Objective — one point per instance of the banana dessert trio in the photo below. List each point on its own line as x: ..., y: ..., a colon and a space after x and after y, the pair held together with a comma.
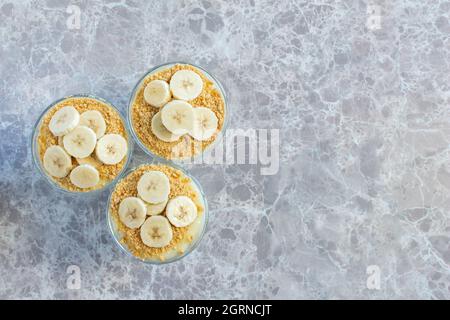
x: 82, y: 143
x: 177, y: 112
x: 157, y: 212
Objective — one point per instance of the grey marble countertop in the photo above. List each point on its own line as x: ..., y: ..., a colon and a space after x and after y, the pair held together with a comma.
x: 360, y: 94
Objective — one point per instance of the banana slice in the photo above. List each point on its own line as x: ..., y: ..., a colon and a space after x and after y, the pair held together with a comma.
x: 154, y: 187
x: 93, y: 119
x: 132, y: 212
x: 89, y: 160
x: 160, y: 131
x: 205, y: 124
x: 84, y: 176
x: 57, y: 162
x: 181, y: 211
x: 186, y: 85
x: 80, y: 142
x: 178, y: 117
x: 157, y: 93
x: 156, y: 208
x: 64, y: 120
x: 111, y: 148
x: 156, y: 232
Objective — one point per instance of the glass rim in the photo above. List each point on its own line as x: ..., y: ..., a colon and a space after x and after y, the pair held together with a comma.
x: 37, y: 161
x: 181, y: 161
x: 191, y: 248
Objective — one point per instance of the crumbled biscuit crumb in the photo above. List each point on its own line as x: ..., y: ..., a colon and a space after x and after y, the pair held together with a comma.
x: 142, y: 114
x: 180, y: 185
x: 114, y: 124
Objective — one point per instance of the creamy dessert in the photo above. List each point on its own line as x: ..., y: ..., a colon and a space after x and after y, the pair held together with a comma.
x: 156, y: 212
x: 177, y: 112
x: 82, y: 144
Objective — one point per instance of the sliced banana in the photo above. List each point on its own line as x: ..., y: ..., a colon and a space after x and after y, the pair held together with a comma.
x: 157, y: 93
x: 178, y: 117
x: 111, y: 148
x: 160, y: 131
x: 84, y: 176
x: 156, y: 208
x: 156, y: 232
x: 80, y: 142
x: 205, y: 124
x: 64, y: 120
x: 132, y: 212
x: 94, y: 119
x: 89, y: 160
x: 57, y: 162
x: 186, y: 85
x: 154, y: 187
x: 181, y: 211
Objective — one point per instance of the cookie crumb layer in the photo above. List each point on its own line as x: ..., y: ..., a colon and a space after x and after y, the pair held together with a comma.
x: 142, y: 114
x: 114, y: 124
x: 180, y: 184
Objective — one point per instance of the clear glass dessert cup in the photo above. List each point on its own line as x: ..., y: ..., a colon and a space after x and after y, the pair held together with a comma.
x: 35, y: 147
x: 177, y: 161
x: 194, y: 244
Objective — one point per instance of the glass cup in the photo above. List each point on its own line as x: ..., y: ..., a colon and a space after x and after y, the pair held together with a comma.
x: 161, y: 67
x: 35, y: 150
x: 174, y: 257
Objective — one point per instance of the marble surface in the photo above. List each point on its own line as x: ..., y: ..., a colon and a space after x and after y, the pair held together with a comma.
x: 362, y: 105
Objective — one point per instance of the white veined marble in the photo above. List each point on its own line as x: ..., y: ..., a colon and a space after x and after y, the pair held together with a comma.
x: 361, y: 97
